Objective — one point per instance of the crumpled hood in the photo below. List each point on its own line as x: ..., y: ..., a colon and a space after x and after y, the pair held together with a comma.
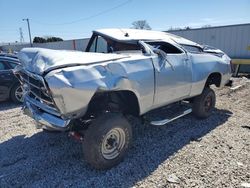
x: 40, y: 60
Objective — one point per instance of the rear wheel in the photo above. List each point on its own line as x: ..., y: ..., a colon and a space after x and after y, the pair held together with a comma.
x: 16, y: 94
x: 107, y: 140
x: 204, y: 104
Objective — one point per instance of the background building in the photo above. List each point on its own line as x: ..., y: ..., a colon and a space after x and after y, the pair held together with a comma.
x: 232, y: 39
x: 78, y: 44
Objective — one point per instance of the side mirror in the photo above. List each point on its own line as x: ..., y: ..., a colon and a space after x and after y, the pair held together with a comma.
x: 146, y: 49
x: 163, y: 55
x: 160, y: 53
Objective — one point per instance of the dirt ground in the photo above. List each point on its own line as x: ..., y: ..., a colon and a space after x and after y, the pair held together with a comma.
x: 185, y: 153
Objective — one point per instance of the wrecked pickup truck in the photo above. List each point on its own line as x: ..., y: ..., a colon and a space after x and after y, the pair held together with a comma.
x: 123, y: 73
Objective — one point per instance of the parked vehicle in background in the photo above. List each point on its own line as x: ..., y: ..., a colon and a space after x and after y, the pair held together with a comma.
x: 8, y: 55
x: 123, y: 73
x: 10, y: 87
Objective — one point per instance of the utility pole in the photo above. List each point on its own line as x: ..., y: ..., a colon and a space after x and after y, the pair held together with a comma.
x: 27, y: 19
x: 21, y: 35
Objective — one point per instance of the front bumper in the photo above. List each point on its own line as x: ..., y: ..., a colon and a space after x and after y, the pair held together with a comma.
x: 43, y: 119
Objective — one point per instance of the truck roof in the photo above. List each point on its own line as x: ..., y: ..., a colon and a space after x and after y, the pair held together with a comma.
x: 137, y: 34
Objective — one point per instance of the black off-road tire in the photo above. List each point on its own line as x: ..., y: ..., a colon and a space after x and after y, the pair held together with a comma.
x: 13, y: 93
x: 204, y: 104
x: 95, y: 138
x: 50, y: 130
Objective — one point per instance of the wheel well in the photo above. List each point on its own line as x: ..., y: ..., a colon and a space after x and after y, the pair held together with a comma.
x: 115, y: 101
x: 214, y: 78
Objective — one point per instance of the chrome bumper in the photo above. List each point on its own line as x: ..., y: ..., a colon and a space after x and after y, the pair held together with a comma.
x: 44, y: 120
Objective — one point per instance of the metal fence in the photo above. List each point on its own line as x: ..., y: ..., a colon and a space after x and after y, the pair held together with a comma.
x: 79, y: 44
x: 233, y: 39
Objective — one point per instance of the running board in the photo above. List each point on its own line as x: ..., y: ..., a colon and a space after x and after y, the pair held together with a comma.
x: 165, y: 121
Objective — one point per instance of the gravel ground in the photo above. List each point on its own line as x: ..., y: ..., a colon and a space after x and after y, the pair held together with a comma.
x: 186, y: 153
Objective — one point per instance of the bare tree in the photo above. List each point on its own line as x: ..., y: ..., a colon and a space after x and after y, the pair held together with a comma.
x: 141, y: 24
x: 174, y: 28
x: 187, y: 28
x: 206, y: 26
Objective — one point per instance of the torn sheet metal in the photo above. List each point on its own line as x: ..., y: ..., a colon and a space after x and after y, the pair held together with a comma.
x: 40, y: 60
x: 72, y: 87
x: 137, y: 34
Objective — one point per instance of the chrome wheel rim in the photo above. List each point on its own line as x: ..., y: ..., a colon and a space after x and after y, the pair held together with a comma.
x: 19, y: 94
x: 113, y: 143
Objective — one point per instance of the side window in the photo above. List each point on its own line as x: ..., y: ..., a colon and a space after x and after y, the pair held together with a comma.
x: 3, y: 66
x: 102, y: 45
x: 166, y: 47
x: 122, y: 46
x: 93, y: 46
x: 99, y: 45
x: 13, y: 65
x: 192, y: 49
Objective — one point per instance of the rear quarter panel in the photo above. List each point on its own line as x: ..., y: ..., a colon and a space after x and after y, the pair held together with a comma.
x: 205, y: 64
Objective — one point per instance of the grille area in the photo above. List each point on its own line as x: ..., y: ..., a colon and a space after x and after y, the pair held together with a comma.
x: 35, y: 88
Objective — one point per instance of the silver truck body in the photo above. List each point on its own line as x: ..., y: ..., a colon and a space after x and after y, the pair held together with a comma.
x: 59, y: 85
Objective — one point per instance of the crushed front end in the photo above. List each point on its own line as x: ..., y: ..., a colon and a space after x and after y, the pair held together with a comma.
x: 38, y: 102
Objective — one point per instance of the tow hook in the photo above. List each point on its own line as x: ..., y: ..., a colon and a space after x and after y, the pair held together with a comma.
x: 75, y: 135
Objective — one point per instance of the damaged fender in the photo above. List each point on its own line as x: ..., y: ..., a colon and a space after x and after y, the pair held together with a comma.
x: 72, y: 88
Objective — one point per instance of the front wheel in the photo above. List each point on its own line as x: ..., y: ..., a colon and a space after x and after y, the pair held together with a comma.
x: 204, y: 104
x: 16, y: 94
x: 107, y: 140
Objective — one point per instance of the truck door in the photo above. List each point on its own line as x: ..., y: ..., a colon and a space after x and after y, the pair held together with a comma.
x: 173, y: 78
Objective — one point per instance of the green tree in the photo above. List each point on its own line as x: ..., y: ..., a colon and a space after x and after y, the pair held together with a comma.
x: 39, y: 40
x: 54, y: 39
x: 47, y: 39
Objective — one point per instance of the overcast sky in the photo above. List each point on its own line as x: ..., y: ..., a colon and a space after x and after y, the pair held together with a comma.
x: 74, y: 19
